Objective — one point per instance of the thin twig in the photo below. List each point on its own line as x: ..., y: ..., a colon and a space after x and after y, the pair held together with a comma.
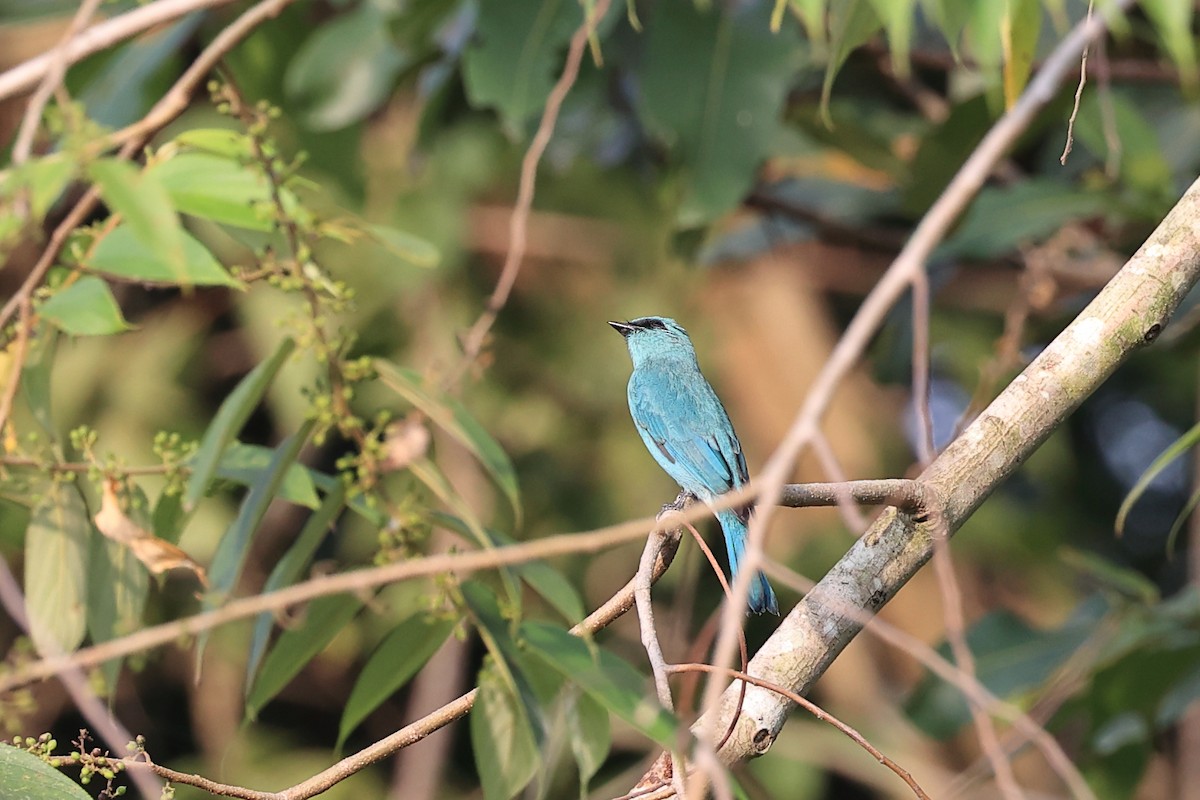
x: 642, y: 582
x: 51, y: 81
x: 852, y: 515
x: 474, y: 339
x: 813, y: 709
x: 1078, y: 95
x: 952, y: 613
x: 99, y: 37
x: 926, y: 448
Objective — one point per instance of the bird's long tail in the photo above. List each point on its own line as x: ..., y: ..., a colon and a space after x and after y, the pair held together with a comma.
x: 762, y: 597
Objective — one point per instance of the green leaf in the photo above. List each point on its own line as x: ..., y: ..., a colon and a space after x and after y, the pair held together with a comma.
x: 147, y: 210
x: 897, y: 18
x: 230, y: 418
x: 506, y: 755
x: 291, y: 566
x: 609, y: 680
x: 588, y: 730
x: 324, y: 619
x: 219, y: 189
x: 235, y: 543
x: 85, y: 308
x: 56, y: 551
x: 415, y: 250
x: 496, y: 633
x: 1180, y: 446
x: 38, y: 182
x: 1126, y: 581
x: 246, y: 463
x: 452, y: 417
x: 428, y: 473
x: 1173, y: 21
x: 119, y: 584
x: 1002, y: 219
x: 713, y: 85
x: 218, y: 141
x: 345, y: 69
x: 1020, y: 29
x: 549, y: 583
x: 24, y: 776
x: 516, y: 55
x: 393, y: 663
x: 123, y: 255
x: 35, y: 378
x: 851, y: 23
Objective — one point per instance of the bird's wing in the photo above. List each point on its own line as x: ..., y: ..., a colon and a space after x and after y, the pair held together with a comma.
x: 703, y: 459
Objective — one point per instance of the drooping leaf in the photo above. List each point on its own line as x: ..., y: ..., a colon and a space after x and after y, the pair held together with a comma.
x: 220, y: 189
x: 712, y: 87
x: 230, y: 418
x: 451, y: 416
x: 549, y: 583
x: 123, y: 255
x: 506, y: 755
x: 35, y: 377
x: 324, y: 619
x: 1019, y: 31
x: 497, y: 636
x: 56, y: 571
x: 610, y: 680
x: 1173, y: 21
x: 24, y: 776
x: 851, y: 23
x: 591, y: 738
x: 119, y: 586
x: 345, y: 69
x: 399, y: 656
x: 144, y: 204
x: 85, y: 308
x: 291, y: 566
x: 897, y: 17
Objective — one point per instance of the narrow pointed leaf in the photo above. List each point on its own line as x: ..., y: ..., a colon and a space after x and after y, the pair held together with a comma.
x: 506, y: 754
x: 452, y: 417
x: 291, y: 566
x: 245, y: 463
x: 324, y: 619
x: 1020, y: 28
x: 610, y: 680
x: 1180, y: 446
x: 56, y: 551
x: 229, y: 420
x: 852, y: 22
x: 85, y: 308
x: 394, y: 662
x: 123, y: 255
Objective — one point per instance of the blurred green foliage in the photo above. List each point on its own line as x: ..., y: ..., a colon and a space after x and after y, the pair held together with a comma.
x: 255, y: 341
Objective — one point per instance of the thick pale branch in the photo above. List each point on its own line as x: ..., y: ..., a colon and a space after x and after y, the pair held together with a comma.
x: 1129, y: 313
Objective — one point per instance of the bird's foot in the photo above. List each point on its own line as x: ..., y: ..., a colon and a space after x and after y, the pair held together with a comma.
x: 679, y: 503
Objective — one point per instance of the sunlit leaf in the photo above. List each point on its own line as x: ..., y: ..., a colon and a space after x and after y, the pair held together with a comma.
x: 506, y: 755
x: 85, y: 308
x: 56, y: 551
x: 1019, y: 30
x: 219, y: 189
x: 897, y: 17
x: 144, y: 204
x: 610, y: 681
x: 24, y: 776
x: 394, y: 662
x: 123, y: 255
x: 324, y: 618
x: 230, y: 418
x: 218, y: 141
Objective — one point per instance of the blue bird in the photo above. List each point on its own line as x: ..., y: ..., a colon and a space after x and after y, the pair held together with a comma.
x: 688, y: 432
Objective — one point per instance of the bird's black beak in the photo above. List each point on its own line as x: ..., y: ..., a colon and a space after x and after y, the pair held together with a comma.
x: 623, y: 328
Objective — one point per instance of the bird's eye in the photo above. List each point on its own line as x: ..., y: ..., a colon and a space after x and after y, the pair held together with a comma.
x: 649, y: 323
